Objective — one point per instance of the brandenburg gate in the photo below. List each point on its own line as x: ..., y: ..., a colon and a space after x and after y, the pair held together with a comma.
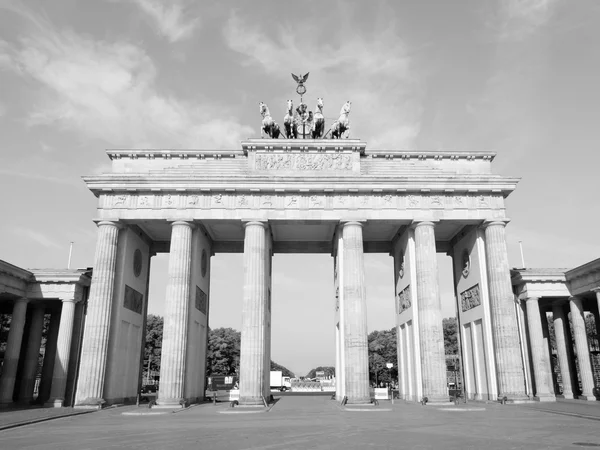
x: 300, y: 196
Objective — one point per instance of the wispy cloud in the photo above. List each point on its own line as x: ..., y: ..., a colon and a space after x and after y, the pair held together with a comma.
x: 107, y: 90
x: 170, y: 18
x: 518, y: 19
x: 342, y: 57
x: 37, y: 237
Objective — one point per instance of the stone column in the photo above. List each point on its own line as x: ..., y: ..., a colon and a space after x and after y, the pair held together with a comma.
x: 509, y: 365
x: 355, y: 315
x: 13, y: 350
x: 252, y: 353
x: 539, y: 351
x: 564, y: 350
x: 597, y: 319
x: 92, y: 370
x: 63, y: 353
x: 431, y: 334
x: 172, y: 363
x: 32, y: 354
x: 49, y: 355
x: 583, y: 351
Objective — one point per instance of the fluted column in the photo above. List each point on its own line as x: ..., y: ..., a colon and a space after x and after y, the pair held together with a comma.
x: 355, y: 315
x: 431, y: 334
x: 173, y: 355
x: 13, y: 350
x: 564, y: 350
x: 49, y: 355
x: 63, y: 353
x: 509, y: 365
x: 583, y: 351
x: 539, y: 351
x: 32, y: 354
x: 252, y: 352
x: 90, y: 386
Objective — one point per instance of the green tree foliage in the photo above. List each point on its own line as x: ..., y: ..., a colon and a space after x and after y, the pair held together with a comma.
x: 152, y: 350
x: 383, y: 350
x: 450, y: 326
x: 223, y: 356
x: 329, y: 371
x: 284, y: 370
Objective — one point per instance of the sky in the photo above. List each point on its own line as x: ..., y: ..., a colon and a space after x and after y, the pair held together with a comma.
x: 519, y: 78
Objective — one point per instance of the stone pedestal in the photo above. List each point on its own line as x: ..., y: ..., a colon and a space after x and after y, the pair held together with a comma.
x: 49, y: 356
x: 13, y: 350
x: 173, y: 356
x: 564, y: 350
x: 509, y: 365
x: 92, y: 370
x: 431, y: 334
x: 254, y: 307
x: 583, y: 352
x: 355, y: 316
x: 539, y: 352
x: 63, y: 352
x: 34, y: 342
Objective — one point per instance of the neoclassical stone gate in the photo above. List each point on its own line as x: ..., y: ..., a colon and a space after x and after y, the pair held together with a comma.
x: 294, y: 196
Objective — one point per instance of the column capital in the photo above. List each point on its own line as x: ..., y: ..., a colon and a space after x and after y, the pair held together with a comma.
x: 418, y: 223
x: 22, y: 300
x: 262, y: 223
x: 68, y: 300
x: 495, y: 222
x: 532, y: 299
x: 595, y: 290
x: 187, y: 222
x: 114, y: 222
x: 359, y: 223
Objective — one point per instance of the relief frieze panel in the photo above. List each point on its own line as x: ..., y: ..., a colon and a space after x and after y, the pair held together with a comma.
x: 301, y: 200
x: 404, y: 299
x: 304, y: 161
x: 470, y: 298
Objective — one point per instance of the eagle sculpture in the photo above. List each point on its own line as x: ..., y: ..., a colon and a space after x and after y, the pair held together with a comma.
x: 300, y: 79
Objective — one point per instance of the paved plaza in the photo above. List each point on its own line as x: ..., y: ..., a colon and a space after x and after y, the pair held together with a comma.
x: 317, y: 423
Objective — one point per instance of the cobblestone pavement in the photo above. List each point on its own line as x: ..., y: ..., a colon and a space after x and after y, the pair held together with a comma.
x: 314, y: 423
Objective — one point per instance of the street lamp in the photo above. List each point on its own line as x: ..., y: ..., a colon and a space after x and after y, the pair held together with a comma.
x: 389, y: 366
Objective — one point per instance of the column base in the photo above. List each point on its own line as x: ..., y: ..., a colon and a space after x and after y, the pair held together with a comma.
x: 90, y: 403
x: 565, y: 397
x: 251, y: 401
x: 587, y: 398
x: 54, y: 403
x: 170, y: 403
x: 544, y: 398
x: 358, y: 401
x: 439, y: 400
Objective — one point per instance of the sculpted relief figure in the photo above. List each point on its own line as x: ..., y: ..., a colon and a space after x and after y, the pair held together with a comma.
x: 342, y: 124
x: 269, y: 126
x: 288, y: 122
x: 304, y: 162
x: 318, y: 126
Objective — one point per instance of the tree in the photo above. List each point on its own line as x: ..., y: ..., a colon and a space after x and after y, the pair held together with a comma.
x: 153, y: 347
x: 383, y: 350
x: 450, y: 326
x: 285, y: 371
x: 223, y: 357
x: 329, y: 371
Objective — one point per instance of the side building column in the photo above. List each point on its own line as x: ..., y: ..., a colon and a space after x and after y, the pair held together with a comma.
x: 173, y: 356
x: 32, y: 354
x: 49, y: 356
x: 564, y: 349
x: 90, y: 387
x: 431, y: 334
x: 13, y: 350
x: 583, y: 351
x: 539, y: 351
x: 254, y: 314
x: 355, y: 315
x: 63, y: 353
x: 509, y: 364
